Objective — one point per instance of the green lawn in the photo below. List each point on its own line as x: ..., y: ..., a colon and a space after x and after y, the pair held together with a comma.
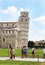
x: 7, y: 62
x: 5, y: 52
x: 38, y: 53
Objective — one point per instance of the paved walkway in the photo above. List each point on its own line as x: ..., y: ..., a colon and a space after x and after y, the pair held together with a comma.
x: 24, y: 59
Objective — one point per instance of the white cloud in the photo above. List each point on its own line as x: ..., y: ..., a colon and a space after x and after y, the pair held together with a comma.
x: 41, y: 34
x: 0, y: 9
x: 40, y: 19
x: 37, y: 35
x: 11, y: 11
x: 31, y: 24
x: 42, y: 31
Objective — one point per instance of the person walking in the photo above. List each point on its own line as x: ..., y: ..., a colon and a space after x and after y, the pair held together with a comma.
x: 13, y: 52
x: 11, y: 57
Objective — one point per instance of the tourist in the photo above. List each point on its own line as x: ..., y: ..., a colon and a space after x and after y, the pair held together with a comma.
x: 33, y: 52
x: 11, y: 53
x: 22, y: 51
x: 44, y: 52
x: 26, y: 51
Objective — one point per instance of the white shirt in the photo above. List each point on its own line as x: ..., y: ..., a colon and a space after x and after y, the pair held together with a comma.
x: 44, y: 50
x: 33, y: 49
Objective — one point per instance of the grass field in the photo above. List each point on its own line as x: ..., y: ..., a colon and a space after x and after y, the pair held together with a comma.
x: 5, y: 52
x: 7, y: 62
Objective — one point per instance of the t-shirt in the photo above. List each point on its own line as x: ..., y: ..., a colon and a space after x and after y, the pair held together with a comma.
x: 44, y: 50
x: 13, y: 51
x: 24, y: 50
x: 33, y: 50
x: 27, y: 49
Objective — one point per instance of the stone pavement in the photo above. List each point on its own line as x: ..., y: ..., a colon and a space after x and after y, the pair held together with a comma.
x: 24, y: 59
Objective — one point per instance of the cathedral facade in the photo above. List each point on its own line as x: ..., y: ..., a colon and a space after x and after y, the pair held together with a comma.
x: 15, y: 33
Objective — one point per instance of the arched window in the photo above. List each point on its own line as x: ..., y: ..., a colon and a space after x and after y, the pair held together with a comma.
x: 3, y: 39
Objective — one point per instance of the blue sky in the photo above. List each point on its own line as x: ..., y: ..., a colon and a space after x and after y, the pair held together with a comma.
x: 10, y: 9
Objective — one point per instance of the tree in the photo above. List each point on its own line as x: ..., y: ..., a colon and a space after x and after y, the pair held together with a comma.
x: 30, y: 44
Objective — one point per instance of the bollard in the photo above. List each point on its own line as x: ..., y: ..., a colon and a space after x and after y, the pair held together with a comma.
x: 38, y: 58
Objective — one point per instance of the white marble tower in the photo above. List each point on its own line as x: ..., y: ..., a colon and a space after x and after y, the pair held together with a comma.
x: 24, y: 27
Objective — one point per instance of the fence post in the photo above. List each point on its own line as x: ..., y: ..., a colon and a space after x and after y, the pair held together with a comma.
x: 38, y: 58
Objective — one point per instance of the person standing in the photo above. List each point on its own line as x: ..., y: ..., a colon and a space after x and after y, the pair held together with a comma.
x: 11, y: 57
x: 26, y: 51
x: 33, y: 52
x: 44, y: 52
x: 22, y: 52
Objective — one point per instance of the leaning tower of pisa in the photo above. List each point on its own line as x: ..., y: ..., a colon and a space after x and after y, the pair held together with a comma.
x: 24, y: 27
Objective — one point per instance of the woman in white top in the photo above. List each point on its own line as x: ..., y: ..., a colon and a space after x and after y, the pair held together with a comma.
x: 33, y: 52
x: 44, y: 52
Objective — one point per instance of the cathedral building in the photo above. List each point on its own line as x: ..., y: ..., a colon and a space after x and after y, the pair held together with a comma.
x: 15, y: 33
